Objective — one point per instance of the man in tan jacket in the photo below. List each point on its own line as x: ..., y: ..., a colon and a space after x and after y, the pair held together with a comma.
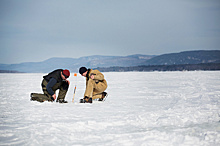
x: 95, y: 85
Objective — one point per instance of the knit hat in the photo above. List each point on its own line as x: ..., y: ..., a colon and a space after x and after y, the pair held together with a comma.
x: 82, y: 70
x: 66, y: 73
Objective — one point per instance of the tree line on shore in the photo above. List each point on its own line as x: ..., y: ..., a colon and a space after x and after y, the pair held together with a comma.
x: 147, y: 68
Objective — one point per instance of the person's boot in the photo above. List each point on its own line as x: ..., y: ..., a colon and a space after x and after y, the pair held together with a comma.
x: 81, y: 101
x: 61, y: 101
x: 86, y: 100
x: 104, y: 95
x: 90, y: 100
x: 32, y: 97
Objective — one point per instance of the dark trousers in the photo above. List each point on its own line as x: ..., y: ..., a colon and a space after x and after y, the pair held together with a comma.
x: 62, y: 87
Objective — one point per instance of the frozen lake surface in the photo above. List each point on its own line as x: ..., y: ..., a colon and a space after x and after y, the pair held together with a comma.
x: 143, y: 108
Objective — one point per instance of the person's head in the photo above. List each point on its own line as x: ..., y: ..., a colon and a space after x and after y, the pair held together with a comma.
x: 83, y: 71
x: 65, y: 74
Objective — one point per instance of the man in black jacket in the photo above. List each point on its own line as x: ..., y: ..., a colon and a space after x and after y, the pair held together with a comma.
x: 52, y: 82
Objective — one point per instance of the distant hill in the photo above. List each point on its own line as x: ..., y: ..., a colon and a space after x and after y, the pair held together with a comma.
x: 74, y: 63
x: 188, y: 57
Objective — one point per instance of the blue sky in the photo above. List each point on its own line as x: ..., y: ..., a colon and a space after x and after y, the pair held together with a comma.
x: 32, y: 31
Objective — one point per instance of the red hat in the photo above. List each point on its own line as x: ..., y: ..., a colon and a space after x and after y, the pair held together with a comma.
x: 66, y: 73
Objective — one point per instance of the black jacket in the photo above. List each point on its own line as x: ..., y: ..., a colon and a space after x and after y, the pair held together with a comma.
x: 56, y: 74
x: 53, y: 78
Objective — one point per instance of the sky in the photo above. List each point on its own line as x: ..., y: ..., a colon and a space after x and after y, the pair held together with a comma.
x: 34, y: 31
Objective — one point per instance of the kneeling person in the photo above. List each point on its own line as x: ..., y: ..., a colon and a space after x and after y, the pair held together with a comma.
x: 52, y: 82
x: 95, y: 85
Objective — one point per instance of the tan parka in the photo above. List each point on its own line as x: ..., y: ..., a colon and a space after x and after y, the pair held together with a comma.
x: 98, y: 76
x: 100, y: 83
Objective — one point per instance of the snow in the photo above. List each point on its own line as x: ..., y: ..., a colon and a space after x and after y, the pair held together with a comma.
x: 143, y: 108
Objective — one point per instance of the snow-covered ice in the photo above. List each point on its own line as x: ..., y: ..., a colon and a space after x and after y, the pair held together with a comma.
x: 143, y: 108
